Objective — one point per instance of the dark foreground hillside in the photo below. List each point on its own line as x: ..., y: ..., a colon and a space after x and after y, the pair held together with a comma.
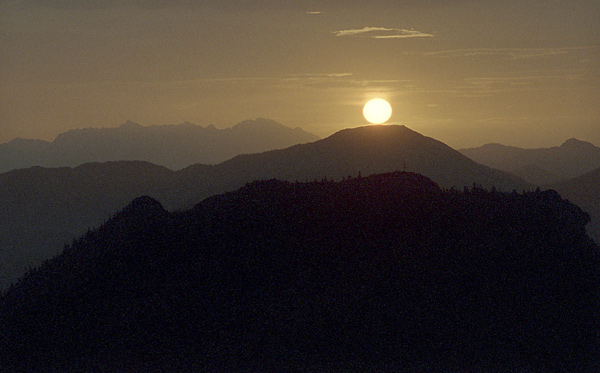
x: 382, y: 273
x: 40, y: 208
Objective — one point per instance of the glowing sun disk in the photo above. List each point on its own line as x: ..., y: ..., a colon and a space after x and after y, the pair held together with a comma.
x: 377, y: 111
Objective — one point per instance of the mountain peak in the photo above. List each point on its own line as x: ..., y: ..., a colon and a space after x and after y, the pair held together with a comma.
x: 375, y: 130
x: 389, y: 136
x: 130, y: 125
x: 257, y: 124
x: 143, y: 206
x: 175, y: 146
x: 574, y: 143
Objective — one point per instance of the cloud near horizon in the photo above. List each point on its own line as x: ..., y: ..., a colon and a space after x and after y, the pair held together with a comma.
x: 512, y: 53
x: 382, y: 33
x: 339, y: 80
x: 317, y: 75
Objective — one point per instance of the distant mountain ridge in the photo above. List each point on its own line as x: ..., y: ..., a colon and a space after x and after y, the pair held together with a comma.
x: 370, y: 150
x: 44, y: 208
x: 174, y: 146
x: 540, y: 166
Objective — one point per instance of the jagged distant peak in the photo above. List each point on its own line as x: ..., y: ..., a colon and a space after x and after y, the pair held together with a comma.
x: 257, y: 123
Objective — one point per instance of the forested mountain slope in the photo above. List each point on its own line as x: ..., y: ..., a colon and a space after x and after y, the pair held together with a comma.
x: 40, y: 208
x: 386, y: 272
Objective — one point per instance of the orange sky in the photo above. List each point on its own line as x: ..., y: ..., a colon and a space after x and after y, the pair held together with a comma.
x: 466, y: 72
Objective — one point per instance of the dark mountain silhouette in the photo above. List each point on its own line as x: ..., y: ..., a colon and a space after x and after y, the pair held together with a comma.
x: 539, y: 166
x: 584, y: 191
x: 379, y: 273
x: 172, y: 146
x: 43, y: 208
x: 367, y: 150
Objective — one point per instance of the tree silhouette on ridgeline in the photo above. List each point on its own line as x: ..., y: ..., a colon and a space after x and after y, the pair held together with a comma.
x: 385, y: 272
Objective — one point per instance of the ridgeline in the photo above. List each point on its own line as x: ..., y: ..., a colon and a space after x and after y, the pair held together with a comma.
x: 386, y: 272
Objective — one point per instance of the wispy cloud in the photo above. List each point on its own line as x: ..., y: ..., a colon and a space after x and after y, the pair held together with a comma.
x: 404, y: 34
x: 316, y: 75
x: 363, y: 30
x: 508, y: 119
x: 489, y: 86
x: 338, y: 81
x: 315, y: 79
x: 381, y: 85
x: 511, y: 53
x: 382, y: 33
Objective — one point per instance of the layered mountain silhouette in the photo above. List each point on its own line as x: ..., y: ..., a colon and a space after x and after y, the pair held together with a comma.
x: 572, y: 169
x: 43, y: 208
x: 367, y: 150
x: 584, y: 191
x: 381, y: 273
x: 172, y: 146
x: 540, y: 166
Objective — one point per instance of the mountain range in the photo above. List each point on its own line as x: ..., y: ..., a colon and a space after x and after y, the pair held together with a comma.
x: 584, y: 191
x: 43, y: 208
x: 172, y: 146
x: 540, y: 166
x: 572, y: 169
x: 381, y: 273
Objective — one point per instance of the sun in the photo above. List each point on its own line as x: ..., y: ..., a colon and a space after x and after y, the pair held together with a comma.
x: 377, y: 111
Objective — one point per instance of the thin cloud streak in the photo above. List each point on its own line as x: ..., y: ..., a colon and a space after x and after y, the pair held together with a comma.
x: 382, y: 33
x: 420, y: 35
x: 337, y: 81
x: 512, y: 53
x: 317, y: 75
x: 352, y: 32
x: 382, y: 85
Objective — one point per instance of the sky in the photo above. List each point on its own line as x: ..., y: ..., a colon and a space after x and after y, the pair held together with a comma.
x: 466, y: 72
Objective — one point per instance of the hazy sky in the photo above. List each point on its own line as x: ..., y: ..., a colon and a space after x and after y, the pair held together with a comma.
x: 467, y: 72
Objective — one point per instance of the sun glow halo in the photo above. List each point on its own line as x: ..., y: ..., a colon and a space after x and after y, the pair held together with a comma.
x: 377, y: 111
